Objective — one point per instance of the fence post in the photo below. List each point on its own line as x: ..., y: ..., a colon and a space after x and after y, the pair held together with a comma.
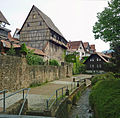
x: 74, y: 85
x: 23, y: 94
x: 4, y: 101
x: 56, y: 96
x: 71, y: 86
x: 62, y: 92
x: 47, y: 104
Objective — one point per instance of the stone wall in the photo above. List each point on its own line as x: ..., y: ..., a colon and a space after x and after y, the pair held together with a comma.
x: 16, y: 107
x: 16, y: 74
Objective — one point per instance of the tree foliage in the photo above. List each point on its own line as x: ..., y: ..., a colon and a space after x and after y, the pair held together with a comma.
x: 107, y: 27
x: 70, y: 58
x: 78, y: 67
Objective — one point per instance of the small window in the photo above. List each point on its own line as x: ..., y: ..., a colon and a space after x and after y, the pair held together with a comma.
x: 34, y: 16
x: 80, y: 47
x: 100, y: 66
x: 92, y: 66
x: 82, y: 53
x: 40, y: 23
x: 99, y: 59
x: 28, y: 25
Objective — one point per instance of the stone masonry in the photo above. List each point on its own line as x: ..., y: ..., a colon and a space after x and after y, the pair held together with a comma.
x: 15, y: 73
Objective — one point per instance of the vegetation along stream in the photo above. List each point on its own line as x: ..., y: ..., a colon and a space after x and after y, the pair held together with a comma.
x: 82, y: 109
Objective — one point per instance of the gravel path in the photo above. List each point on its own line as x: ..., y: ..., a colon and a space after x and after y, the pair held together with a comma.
x: 82, y: 108
x: 37, y: 96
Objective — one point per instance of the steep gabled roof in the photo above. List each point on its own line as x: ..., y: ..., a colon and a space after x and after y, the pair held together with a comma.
x: 47, y: 20
x: 86, y: 44
x: 92, y: 47
x: 3, y: 19
x: 75, y: 44
x: 101, y: 55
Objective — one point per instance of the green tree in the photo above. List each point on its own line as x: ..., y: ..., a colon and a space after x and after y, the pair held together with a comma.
x: 107, y: 27
x: 116, y: 55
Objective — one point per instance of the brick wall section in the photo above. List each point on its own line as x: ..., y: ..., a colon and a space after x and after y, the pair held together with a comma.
x: 16, y: 74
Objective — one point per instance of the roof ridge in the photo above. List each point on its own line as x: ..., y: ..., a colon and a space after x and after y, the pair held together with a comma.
x: 48, y: 21
x: 3, y: 19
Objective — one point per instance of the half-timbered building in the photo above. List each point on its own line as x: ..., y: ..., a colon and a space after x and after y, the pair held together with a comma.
x: 38, y: 31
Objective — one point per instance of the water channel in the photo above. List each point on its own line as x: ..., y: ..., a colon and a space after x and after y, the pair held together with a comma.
x: 82, y: 109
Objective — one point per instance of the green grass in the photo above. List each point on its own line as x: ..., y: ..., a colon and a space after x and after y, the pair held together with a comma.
x: 36, y: 84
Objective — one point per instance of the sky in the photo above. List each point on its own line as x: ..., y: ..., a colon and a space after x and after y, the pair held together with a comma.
x: 74, y: 18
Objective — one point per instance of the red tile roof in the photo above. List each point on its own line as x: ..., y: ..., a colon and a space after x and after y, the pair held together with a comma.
x: 74, y: 44
x: 86, y: 44
x: 7, y: 44
x: 15, y: 40
x: 92, y: 47
x: 37, y: 51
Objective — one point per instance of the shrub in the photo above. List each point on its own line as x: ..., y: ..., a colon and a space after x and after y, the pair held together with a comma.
x: 107, y: 76
x: 11, y: 51
x: 53, y: 62
x: 34, y: 59
x: 71, y: 58
x: 78, y: 67
x: 24, y: 48
x: 105, y: 98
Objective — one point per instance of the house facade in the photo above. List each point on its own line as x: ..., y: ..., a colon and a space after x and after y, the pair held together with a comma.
x: 90, y: 49
x: 38, y: 31
x: 3, y: 32
x: 95, y: 63
x: 76, y: 46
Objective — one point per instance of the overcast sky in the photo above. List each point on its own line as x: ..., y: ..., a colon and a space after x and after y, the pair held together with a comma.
x: 74, y: 18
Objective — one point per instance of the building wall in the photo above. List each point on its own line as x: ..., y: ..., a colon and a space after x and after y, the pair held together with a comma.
x: 95, y: 63
x: 16, y: 74
x: 81, y: 51
x: 35, y: 33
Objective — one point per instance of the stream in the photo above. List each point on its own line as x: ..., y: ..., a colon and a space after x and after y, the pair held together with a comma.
x: 82, y: 109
